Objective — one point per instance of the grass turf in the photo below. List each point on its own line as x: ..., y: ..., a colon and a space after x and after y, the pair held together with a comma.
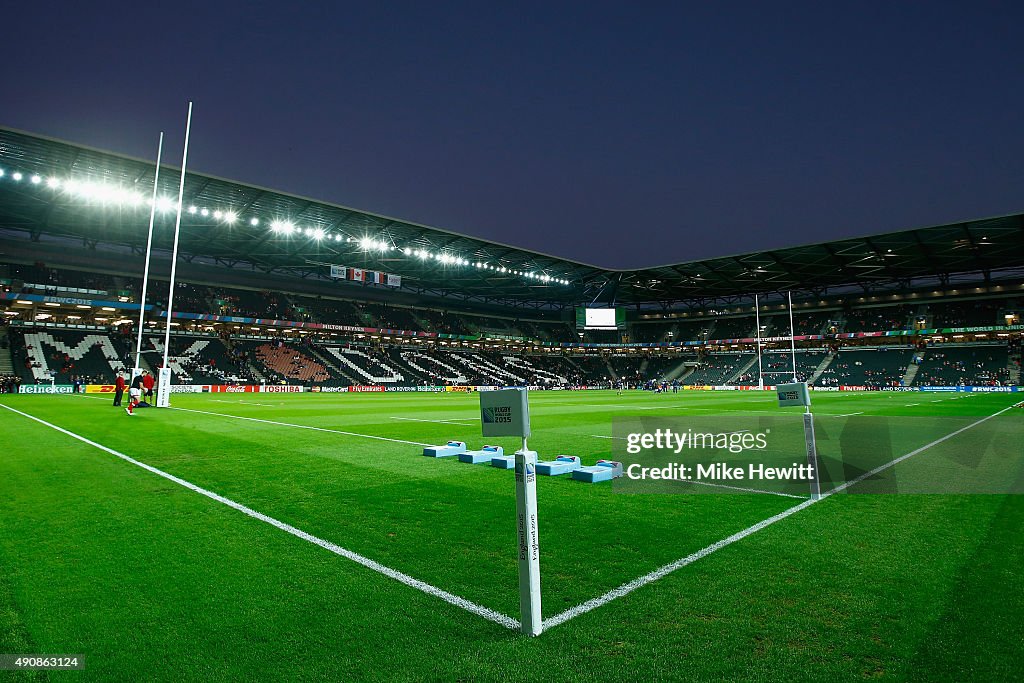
x: 150, y: 580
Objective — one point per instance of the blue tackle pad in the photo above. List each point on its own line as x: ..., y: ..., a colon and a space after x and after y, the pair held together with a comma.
x: 484, y: 455
x: 604, y: 470
x: 563, y: 464
x: 448, y: 450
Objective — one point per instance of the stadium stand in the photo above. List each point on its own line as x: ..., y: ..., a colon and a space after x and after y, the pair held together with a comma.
x: 283, y: 363
x: 965, y: 314
x: 653, y: 331
x: 777, y: 367
x: 203, y: 360
x: 220, y: 360
x: 442, y: 321
x: 733, y: 328
x: 431, y: 369
x: 592, y: 369
x: 368, y: 365
x: 538, y: 370
x: 877, y: 319
x: 882, y: 367
x: 66, y: 356
x: 601, y: 337
x: 716, y: 368
x: 950, y: 365
x: 660, y: 367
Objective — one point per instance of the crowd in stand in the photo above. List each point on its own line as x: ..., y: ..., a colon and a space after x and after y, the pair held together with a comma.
x: 284, y: 363
x: 9, y: 384
x: 876, y: 319
x: 888, y: 372
x: 966, y: 314
x: 980, y: 369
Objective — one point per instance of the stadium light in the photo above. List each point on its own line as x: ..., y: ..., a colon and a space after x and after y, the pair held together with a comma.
x: 106, y: 193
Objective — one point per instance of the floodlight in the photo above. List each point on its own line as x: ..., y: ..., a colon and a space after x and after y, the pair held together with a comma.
x: 204, y: 213
x: 36, y: 179
x: 318, y: 234
x: 254, y: 221
x: 192, y: 209
x: 407, y: 251
x: 230, y: 216
x: 17, y: 175
x: 1, y: 173
x: 53, y: 182
x: 218, y: 214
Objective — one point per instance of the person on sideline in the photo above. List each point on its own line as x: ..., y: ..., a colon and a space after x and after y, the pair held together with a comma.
x: 119, y: 388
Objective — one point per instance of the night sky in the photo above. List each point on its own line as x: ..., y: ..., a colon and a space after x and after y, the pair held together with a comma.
x: 618, y: 134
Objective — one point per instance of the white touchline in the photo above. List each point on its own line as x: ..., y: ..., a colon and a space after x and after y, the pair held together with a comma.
x: 443, y: 422
x: 316, y: 429
x: 627, y: 588
x: 450, y: 598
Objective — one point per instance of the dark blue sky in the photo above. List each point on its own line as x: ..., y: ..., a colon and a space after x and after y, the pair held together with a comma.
x: 618, y: 135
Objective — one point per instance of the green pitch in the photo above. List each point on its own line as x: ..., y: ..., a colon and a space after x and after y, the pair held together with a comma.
x: 153, y: 581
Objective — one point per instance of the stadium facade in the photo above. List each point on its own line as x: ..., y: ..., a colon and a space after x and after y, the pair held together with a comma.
x: 279, y: 290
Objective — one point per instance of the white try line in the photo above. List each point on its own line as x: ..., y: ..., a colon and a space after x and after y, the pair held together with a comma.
x: 297, y: 426
x: 450, y: 598
x: 443, y: 422
x: 627, y: 588
x: 850, y: 414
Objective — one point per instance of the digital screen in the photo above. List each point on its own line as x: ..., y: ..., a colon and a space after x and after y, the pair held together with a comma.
x: 599, y: 318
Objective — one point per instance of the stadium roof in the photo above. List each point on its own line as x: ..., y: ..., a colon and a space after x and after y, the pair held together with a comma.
x: 65, y: 191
